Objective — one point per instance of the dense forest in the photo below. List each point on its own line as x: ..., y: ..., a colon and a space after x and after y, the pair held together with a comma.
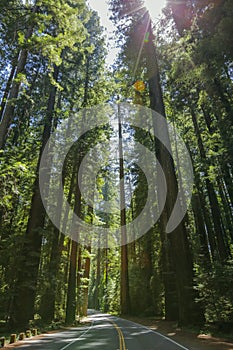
x: 53, y: 69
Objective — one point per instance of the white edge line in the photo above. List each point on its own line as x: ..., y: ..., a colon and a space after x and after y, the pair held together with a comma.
x: 158, y: 333
x: 74, y: 341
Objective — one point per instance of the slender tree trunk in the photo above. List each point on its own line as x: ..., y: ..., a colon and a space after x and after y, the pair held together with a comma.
x: 208, y: 119
x: 7, y: 89
x: 226, y: 207
x: 86, y: 276
x: 228, y: 179
x: 79, y: 276
x: 124, y: 292
x: 97, y: 283
x: 71, y: 306
x: 216, y: 214
x: 71, y: 294
x: 86, y: 85
x: 227, y: 144
x: 147, y: 267
x: 206, y: 214
x: 132, y: 245
x: 106, y: 296
x: 208, y: 223
x: 66, y: 273
x: 201, y: 231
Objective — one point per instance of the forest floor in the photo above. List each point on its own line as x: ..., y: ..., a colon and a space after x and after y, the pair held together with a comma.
x: 189, y: 338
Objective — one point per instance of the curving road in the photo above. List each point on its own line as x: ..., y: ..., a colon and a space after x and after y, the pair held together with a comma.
x: 105, y: 333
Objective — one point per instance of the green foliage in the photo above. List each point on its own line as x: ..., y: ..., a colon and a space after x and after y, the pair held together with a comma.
x: 215, y: 290
x: 196, y: 78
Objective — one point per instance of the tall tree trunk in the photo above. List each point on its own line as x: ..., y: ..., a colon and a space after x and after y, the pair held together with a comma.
x: 72, y: 279
x: 97, y: 281
x: 27, y: 279
x: 180, y: 15
x: 189, y: 312
x: 124, y: 290
x: 147, y: 267
x: 106, y: 296
x: 79, y: 276
x: 86, y: 276
x: 71, y: 306
x: 47, y: 307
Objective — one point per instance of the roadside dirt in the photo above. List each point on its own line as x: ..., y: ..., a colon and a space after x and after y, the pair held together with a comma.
x: 192, y: 341
x: 8, y: 346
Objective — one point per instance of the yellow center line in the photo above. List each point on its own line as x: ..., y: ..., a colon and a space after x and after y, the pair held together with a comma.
x: 120, y: 335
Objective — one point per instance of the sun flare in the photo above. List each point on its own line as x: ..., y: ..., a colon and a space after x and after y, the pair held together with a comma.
x: 155, y: 7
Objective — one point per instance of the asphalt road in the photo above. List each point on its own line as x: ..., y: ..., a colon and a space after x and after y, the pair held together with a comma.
x: 105, y: 333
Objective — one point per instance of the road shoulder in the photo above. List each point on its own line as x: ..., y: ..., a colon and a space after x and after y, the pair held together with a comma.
x: 189, y: 339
